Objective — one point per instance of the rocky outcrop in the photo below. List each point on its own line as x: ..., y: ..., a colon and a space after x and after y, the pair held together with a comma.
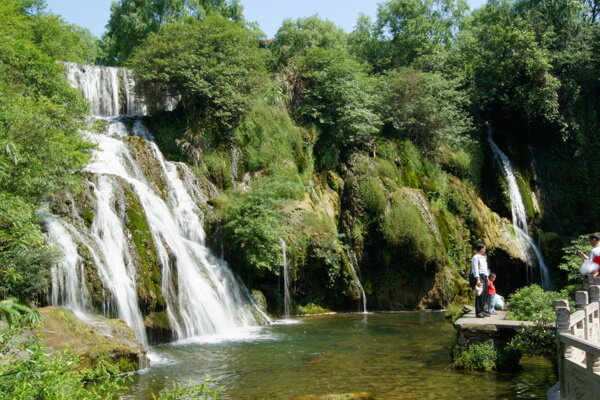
x: 100, y: 339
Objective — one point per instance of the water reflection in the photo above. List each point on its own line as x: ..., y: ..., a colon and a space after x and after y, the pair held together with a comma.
x: 394, y: 356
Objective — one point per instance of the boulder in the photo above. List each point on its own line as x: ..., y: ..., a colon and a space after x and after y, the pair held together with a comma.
x: 97, y: 339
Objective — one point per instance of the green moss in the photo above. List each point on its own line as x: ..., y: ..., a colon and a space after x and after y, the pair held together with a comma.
x: 404, y: 226
x: 62, y: 330
x: 311, y: 308
x: 373, y: 195
x: 147, y: 261
x: 388, y: 173
x: 526, y: 196
x: 87, y: 214
x: 158, y: 320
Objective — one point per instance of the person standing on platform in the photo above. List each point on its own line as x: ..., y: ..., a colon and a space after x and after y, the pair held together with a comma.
x: 480, y: 272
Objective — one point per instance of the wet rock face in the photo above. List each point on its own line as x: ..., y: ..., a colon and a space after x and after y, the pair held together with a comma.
x: 102, y: 339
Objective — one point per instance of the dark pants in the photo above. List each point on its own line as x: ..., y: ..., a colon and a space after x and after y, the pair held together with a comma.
x: 481, y: 300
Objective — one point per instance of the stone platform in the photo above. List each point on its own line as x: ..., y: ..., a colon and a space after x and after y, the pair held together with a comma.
x: 498, y: 320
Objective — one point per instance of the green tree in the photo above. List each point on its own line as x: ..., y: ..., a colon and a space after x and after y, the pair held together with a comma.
x: 131, y: 21
x: 41, y: 147
x: 408, y: 29
x: 212, y: 66
x: 330, y: 90
x: 62, y: 41
x: 510, y: 73
x: 426, y: 108
x: 296, y: 38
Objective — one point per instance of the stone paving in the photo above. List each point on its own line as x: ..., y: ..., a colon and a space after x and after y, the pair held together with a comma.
x: 499, y: 320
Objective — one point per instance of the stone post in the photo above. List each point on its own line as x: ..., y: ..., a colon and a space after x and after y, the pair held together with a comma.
x: 595, y: 327
x: 563, y: 315
x: 594, y: 293
x: 581, y: 300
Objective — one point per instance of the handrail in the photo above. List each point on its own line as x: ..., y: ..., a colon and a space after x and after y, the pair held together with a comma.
x: 578, y: 344
x: 572, y: 340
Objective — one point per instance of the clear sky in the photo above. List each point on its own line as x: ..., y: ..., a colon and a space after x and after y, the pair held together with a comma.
x: 94, y: 14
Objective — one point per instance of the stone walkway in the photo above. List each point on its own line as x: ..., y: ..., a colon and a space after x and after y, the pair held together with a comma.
x: 497, y: 319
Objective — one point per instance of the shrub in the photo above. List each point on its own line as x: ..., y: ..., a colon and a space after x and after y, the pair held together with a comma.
x: 267, y: 135
x: 531, y: 303
x: 477, y: 357
x: 218, y: 166
x: 537, y: 340
x: 571, y: 263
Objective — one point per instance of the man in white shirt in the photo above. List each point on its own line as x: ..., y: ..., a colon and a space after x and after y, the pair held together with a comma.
x: 480, y: 272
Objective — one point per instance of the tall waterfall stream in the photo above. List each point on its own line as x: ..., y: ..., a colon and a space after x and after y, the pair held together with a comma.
x: 202, y: 295
x: 519, y: 216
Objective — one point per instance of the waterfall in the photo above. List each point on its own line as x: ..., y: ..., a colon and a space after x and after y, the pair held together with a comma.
x: 202, y: 295
x: 519, y: 216
x: 109, y: 90
x: 68, y: 275
x: 286, y: 281
x: 353, y: 261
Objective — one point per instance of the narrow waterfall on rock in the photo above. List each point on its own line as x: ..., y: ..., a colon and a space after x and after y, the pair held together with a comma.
x: 353, y: 261
x: 519, y: 216
x: 286, y: 282
x: 130, y: 181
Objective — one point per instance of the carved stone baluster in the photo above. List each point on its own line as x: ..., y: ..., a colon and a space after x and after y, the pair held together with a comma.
x: 581, y: 300
x: 595, y: 325
x: 563, y: 315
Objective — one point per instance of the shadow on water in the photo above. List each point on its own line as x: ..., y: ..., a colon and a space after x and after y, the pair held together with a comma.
x: 393, y: 356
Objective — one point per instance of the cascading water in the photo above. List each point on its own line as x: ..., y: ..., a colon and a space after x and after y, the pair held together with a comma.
x: 286, y: 281
x: 519, y: 216
x: 353, y: 261
x: 67, y: 276
x: 202, y: 296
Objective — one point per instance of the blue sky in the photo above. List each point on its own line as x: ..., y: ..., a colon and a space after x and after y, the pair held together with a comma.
x: 93, y: 14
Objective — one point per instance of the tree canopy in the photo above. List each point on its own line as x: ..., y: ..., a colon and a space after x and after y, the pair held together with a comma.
x: 296, y: 38
x: 133, y: 20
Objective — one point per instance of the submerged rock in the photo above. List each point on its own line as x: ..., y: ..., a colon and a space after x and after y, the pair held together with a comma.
x: 100, y: 339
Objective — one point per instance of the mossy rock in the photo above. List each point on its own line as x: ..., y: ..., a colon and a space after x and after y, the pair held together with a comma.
x: 105, y: 340
x: 153, y: 172
x: 157, y: 320
x: 145, y: 255
x: 260, y: 300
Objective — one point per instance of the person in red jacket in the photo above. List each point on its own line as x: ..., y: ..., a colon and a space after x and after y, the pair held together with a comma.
x: 491, y: 301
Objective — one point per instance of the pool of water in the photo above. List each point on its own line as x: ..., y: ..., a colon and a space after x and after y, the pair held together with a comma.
x: 393, y: 356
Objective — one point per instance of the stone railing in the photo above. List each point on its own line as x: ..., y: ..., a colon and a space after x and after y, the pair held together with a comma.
x: 578, y: 340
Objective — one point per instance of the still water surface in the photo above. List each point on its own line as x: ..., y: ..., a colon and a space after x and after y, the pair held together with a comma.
x: 394, y: 356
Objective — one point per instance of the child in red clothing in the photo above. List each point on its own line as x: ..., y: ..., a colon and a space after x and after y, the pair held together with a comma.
x: 491, y: 303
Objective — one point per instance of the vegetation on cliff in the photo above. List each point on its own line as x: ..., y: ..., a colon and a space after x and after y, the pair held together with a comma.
x: 364, y: 152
